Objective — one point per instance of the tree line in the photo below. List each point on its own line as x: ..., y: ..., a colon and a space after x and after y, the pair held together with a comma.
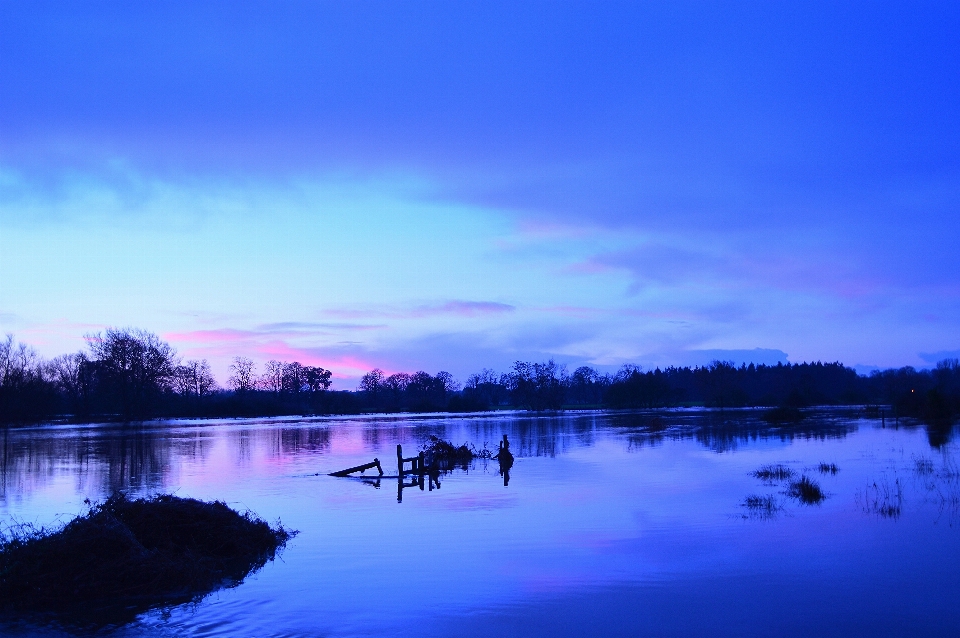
x: 130, y: 374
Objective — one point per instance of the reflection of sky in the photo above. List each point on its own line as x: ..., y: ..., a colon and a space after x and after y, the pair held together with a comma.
x: 594, y: 516
x: 466, y: 185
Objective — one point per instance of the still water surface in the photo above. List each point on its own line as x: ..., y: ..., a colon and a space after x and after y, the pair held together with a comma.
x: 610, y: 524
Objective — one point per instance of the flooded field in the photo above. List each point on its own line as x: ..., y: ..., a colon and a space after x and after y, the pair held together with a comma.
x: 677, y: 523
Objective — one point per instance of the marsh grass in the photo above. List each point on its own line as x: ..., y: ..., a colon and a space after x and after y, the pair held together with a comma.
x: 828, y: 468
x: 806, y: 491
x: 884, y: 499
x: 773, y: 473
x: 763, y: 507
x: 923, y: 466
x: 126, y: 556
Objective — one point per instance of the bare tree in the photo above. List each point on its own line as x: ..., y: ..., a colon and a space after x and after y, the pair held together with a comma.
x: 73, y: 376
x: 294, y: 378
x: 26, y: 393
x: 449, y: 383
x: 18, y: 362
x: 194, y: 378
x: 243, y: 378
x: 272, y: 378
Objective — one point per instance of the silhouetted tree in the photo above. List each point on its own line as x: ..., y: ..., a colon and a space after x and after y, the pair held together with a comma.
x: 538, y: 386
x: 272, y: 379
x: 426, y: 393
x: 244, y: 377
x: 26, y: 392
x: 294, y: 378
x: 586, y: 386
x: 484, y: 390
x: 134, y: 368
x: 74, y: 377
x: 317, y: 379
x: 194, y: 379
x: 394, y: 390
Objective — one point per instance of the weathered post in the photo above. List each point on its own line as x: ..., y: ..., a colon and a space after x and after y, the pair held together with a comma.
x: 420, y: 462
x: 399, y: 460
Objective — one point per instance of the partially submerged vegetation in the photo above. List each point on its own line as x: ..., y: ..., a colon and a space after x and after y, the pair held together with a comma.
x: 806, y: 490
x: 442, y: 454
x: 126, y: 556
x: 763, y: 507
x: 773, y: 473
x: 884, y: 499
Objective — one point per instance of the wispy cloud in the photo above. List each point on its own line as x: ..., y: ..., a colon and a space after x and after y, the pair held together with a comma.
x: 457, y: 308
x: 936, y: 357
x: 311, y: 326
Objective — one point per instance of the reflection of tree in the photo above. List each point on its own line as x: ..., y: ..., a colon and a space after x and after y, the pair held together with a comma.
x: 147, y: 457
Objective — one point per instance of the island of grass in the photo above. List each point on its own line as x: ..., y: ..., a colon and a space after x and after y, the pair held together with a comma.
x: 126, y: 556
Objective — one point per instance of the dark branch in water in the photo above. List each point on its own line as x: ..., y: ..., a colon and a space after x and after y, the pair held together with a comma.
x: 126, y: 556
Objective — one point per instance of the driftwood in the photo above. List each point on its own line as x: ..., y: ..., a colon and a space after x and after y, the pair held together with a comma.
x: 359, y: 468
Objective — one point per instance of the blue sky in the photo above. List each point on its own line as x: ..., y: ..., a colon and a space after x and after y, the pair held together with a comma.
x: 444, y: 185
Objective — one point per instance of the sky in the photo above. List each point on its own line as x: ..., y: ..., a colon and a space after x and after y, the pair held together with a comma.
x: 459, y: 185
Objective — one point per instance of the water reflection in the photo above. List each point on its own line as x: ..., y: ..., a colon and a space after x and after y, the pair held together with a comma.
x: 105, y: 458
x: 590, y: 500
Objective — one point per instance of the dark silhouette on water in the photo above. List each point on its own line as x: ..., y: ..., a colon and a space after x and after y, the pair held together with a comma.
x: 127, y: 556
x: 505, y: 459
x: 436, y: 458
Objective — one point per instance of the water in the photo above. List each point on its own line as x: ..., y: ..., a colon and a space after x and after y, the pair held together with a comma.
x: 611, y: 524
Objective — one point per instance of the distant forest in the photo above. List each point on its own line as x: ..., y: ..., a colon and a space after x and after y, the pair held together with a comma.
x: 132, y: 375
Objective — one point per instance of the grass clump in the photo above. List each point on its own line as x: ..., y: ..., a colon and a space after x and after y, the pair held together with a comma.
x: 806, y: 491
x: 773, y: 473
x: 126, y: 556
x: 828, y: 468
